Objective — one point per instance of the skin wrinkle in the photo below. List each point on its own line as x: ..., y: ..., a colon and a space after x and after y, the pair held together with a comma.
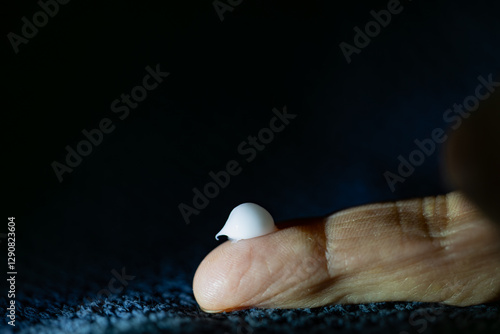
x: 438, y: 225
x: 320, y: 291
x: 330, y: 249
x: 357, y: 214
x: 448, y: 213
x: 443, y: 220
x: 314, y: 245
x: 248, y: 301
x: 211, y: 293
x: 408, y: 228
x: 428, y: 214
x: 399, y: 218
x: 263, y: 294
x: 439, y: 222
x: 421, y: 214
x: 352, y: 230
x: 324, y: 281
x: 467, y: 222
x: 318, y: 248
x: 246, y: 269
x: 386, y: 228
x: 450, y: 289
x: 288, y: 274
x: 283, y: 291
x: 427, y: 218
x: 432, y: 220
x: 317, y: 242
x: 270, y: 287
x: 284, y: 271
x: 332, y: 233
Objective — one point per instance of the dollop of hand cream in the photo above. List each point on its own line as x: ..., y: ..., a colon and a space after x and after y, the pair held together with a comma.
x: 247, y: 220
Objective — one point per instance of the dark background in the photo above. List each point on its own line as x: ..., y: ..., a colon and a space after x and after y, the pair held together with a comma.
x: 119, y: 207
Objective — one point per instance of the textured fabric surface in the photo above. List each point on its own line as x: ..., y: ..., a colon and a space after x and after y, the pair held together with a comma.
x: 159, y: 299
x: 118, y: 210
x: 163, y: 303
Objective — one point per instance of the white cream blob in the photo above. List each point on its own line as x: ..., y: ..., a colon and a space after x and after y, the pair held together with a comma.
x: 247, y: 220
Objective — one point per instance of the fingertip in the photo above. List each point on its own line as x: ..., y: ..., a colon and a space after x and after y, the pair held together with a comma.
x: 215, y: 283
x: 250, y: 272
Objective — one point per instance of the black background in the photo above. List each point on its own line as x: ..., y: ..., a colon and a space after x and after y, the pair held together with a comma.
x: 353, y: 120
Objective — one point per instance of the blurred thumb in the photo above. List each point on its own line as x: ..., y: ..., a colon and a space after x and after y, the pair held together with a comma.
x: 472, y: 154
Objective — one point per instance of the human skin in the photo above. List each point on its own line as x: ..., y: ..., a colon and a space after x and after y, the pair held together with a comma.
x: 443, y: 248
